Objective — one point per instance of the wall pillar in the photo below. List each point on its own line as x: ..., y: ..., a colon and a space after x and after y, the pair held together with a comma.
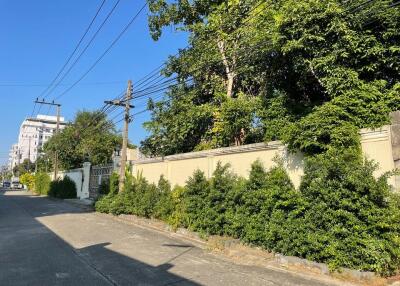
x: 395, y: 140
x: 85, y: 180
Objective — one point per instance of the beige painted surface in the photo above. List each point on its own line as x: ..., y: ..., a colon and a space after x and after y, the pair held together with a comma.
x: 151, y: 172
x: 178, y: 168
x: 376, y: 145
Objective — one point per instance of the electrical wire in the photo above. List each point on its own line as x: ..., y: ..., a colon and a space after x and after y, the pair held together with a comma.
x: 104, y: 53
x: 74, y: 51
x: 84, y: 49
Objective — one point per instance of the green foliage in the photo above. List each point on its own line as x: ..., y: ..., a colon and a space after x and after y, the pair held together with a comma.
x: 110, y: 185
x: 178, y: 217
x: 257, y: 177
x: 114, y: 182
x: 42, y: 183
x: 89, y: 138
x: 181, y: 134
x: 44, y: 163
x: 308, y: 64
x: 25, y: 167
x: 5, y: 175
x: 234, y: 124
x: 197, y: 190
x: 63, y: 189
x: 28, y: 180
x: 138, y: 198
x: 310, y: 73
x: 165, y: 203
x: 349, y: 211
x: 104, y: 187
x: 328, y: 127
x: 340, y: 209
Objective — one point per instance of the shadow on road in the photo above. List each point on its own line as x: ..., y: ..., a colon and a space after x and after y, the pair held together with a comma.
x: 31, y: 254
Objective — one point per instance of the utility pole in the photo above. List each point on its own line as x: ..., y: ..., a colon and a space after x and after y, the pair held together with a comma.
x: 126, y: 104
x: 57, y: 130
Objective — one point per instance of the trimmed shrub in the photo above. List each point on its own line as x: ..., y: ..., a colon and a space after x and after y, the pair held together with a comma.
x: 138, y: 198
x: 63, y: 189
x: 197, y: 190
x: 179, y: 215
x: 28, y: 180
x: 165, y: 204
x: 341, y: 215
x: 42, y: 183
x: 351, y: 218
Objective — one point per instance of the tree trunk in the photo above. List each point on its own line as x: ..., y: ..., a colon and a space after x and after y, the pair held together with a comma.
x: 230, y: 74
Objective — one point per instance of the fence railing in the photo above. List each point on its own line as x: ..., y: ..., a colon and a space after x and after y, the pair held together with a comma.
x: 98, y: 174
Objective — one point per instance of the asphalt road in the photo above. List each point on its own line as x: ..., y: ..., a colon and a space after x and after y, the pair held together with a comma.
x: 48, y: 242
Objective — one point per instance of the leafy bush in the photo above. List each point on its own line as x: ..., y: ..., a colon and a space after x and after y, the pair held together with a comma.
x: 164, y: 206
x: 42, y: 183
x: 328, y: 127
x: 63, y: 189
x: 114, y: 181
x: 138, y: 198
x: 179, y: 215
x: 341, y: 215
x: 28, y: 180
x: 104, y: 187
x: 197, y: 190
x: 351, y: 219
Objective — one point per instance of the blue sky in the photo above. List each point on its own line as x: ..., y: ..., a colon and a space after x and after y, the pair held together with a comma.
x: 38, y: 36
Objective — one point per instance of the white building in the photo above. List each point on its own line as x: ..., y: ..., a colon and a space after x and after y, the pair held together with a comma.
x: 13, y: 157
x: 34, y: 132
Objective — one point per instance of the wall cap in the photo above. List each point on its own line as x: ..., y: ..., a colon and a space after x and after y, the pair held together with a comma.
x: 273, y: 145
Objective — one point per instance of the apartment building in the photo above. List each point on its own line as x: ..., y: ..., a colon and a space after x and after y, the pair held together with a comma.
x: 33, y: 134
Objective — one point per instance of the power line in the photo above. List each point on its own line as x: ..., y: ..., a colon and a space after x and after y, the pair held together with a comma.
x: 149, y: 78
x: 159, y: 83
x: 66, y: 84
x: 84, y: 49
x: 75, y: 49
x: 152, y: 89
x: 104, y: 53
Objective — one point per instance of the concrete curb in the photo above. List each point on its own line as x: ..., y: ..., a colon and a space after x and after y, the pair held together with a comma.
x: 324, y: 269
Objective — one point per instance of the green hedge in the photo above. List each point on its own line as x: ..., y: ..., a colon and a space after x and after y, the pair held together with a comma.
x: 341, y: 215
x: 63, y: 189
x: 42, y: 183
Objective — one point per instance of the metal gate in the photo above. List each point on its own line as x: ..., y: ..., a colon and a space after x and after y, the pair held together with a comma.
x: 98, y: 174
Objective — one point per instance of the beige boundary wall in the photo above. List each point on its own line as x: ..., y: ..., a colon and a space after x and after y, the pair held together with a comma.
x: 376, y: 145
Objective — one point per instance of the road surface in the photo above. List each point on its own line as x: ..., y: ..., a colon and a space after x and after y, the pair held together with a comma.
x: 49, y: 242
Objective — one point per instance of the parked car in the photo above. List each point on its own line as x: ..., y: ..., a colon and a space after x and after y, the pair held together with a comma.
x: 16, y: 185
x: 6, y: 185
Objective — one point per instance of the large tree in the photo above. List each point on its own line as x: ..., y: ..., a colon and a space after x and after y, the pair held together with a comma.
x: 306, y: 71
x: 25, y: 167
x: 89, y: 138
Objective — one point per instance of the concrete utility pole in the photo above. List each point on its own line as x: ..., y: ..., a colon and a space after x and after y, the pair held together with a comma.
x: 57, y: 130
x: 127, y: 119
